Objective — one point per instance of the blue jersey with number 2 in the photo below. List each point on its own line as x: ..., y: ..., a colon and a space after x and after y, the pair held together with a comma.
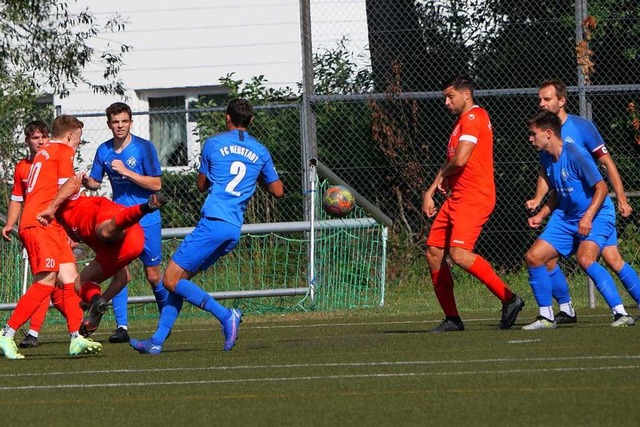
x: 232, y: 162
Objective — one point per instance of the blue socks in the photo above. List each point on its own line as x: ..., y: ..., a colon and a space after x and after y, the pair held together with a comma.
x: 559, y: 286
x: 541, y: 285
x: 119, y: 303
x: 168, y: 315
x: 604, y: 283
x: 198, y: 297
x: 161, y: 294
x: 631, y: 282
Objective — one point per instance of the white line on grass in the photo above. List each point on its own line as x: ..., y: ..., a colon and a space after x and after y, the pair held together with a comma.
x: 322, y: 365
x: 316, y: 377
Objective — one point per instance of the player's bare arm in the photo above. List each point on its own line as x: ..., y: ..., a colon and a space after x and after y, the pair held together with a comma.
x: 153, y: 183
x: 624, y: 207
x: 71, y: 187
x: 202, y: 183
x: 13, y: 213
x: 459, y: 159
x: 601, y: 190
x: 542, y: 187
x: 276, y: 188
x: 428, y: 205
x: 90, y: 183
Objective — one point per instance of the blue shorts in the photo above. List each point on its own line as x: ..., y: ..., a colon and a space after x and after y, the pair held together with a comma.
x: 613, y: 239
x: 563, y: 234
x: 210, y: 240
x: 152, y: 253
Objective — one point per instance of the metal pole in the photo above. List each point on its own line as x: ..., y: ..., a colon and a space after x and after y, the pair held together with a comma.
x: 307, y: 117
x: 581, y: 14
x: 312, y: 232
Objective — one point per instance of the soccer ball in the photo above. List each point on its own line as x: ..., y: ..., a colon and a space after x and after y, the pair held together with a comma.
x: 337, y: 201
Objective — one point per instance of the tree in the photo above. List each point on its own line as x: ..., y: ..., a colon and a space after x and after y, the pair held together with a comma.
x: 44, y: 49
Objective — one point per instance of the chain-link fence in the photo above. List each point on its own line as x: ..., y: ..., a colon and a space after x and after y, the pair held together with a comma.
x: 372, y: 108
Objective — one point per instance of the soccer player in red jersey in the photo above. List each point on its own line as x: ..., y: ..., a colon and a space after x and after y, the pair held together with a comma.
x: 36, y: 134
x: 50, y: 256
x: 467, y: 181
x: 111, y: 230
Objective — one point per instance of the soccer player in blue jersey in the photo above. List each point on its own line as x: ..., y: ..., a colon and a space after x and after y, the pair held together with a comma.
x: 231, y: 164
x: 582, y: 219
x: 131, y: 163
x: 553, y: 97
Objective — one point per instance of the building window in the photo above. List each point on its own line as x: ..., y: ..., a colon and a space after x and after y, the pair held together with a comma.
x: 168, y: 130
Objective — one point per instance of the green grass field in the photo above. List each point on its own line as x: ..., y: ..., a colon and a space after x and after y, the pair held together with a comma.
x: 361, y: 367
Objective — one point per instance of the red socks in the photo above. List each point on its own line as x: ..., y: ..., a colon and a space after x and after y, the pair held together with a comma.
x: 28, y: 304
x: 482, y: 270
x: 126, y: 217
x: 71, y: 304
x: 443, y: 287
x: 88, y: 290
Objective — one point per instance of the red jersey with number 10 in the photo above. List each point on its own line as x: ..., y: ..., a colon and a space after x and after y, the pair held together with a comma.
x: 51, y: 167
x: 475, y: 181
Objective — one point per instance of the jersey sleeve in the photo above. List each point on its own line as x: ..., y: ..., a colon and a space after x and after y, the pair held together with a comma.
x: 268, y: 169
x: 592, y: 138
x: 205, y: 158
x: 17, y: 189
x: 470, y: 127
x: 585, y: 166
x: 97, y: 168
x: 150, y: 161
x: 65, y: 165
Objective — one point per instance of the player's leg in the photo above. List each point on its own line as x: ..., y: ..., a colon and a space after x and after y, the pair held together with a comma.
x: 464, y: 235
x: 536, y: 258
x: 125, y: 217
x: 35, y: 324
x: 560, y: 292
x: 441, y: 274
x: 151, y: 258
x: 627, y: 275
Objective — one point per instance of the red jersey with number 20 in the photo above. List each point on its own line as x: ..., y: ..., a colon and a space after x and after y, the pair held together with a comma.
x: 475, y: 181
x: 51, y: 167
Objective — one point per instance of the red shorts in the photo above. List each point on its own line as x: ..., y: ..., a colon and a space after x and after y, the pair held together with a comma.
x: 113, y: 256
x: 47, y: 247
x: 458, y: 225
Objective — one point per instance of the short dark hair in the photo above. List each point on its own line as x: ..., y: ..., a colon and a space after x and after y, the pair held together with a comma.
x: 117, y: 108
x: 546, y: 120
x: 36, y: 126
x: 558, y: 85
x: 240, y: 112
x: 460, y: 83
x: 65, y: 123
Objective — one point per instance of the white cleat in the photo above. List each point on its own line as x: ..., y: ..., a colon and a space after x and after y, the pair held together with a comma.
x: 540, y: 323
x: 622, y: 320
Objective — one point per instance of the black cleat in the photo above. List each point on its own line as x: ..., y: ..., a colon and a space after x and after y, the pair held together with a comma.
x: 29, y: 342
x: 563, y: 318
x: 510, y: 311
x: 156, y: 201
x: 92, y: 319
x: 121, y: 335
x: 450, y: 324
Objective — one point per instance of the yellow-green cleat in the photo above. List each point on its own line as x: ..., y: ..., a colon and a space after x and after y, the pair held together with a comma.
x: 81, y: 345
x: 9, y: 349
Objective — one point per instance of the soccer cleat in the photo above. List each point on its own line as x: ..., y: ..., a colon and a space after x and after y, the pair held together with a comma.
x: 145, y: 347
x: 510, y: 312
x: 93, y: 317
x: 450, y: 324
x: 119, y: 336
x: 563, y: 318
x: 81, y: 345
x: 540, y: 323
x: 29, y: 341
x: 230, y: 328
x: 9, y: 349
x: 156, y: 201
x: 622, y: 320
